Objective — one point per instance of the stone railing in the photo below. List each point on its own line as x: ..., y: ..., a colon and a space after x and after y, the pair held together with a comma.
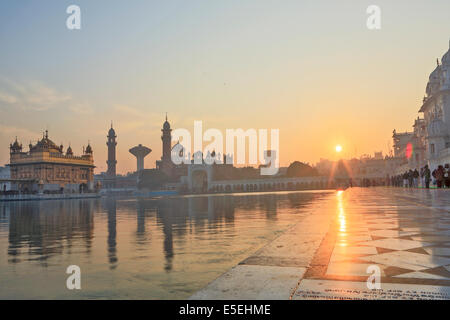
x: 63, y: 196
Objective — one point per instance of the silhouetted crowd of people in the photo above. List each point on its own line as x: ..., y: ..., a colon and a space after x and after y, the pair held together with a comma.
x: 440, y: 177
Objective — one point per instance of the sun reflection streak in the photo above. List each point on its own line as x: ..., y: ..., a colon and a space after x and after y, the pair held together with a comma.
x: 341, y: 217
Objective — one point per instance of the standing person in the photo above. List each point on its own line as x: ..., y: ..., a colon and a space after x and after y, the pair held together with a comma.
x: 427, y: 176
x: 410, y: 178
x: 422, y: 177
x: 440, y: 176
x: 416, y: 178
x: 447, y: 175
x: 433, y: 174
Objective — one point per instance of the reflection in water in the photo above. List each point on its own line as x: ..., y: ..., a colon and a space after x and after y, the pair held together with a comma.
x: 140, y: 233
x: 193, y: 240
x: 342, y: 234
x: 39, y: 231
x: 342, y: 220
x: 166, y: 216
x: 112, y: 244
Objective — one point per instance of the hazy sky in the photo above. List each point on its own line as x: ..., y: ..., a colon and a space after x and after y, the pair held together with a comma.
x: 310, y: 68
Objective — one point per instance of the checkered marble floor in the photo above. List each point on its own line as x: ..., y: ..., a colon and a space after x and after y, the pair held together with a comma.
x: 332, y: 253
x: 406, y: 233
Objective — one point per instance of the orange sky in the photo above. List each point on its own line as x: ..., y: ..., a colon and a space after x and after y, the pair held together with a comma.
x: 311, y: 69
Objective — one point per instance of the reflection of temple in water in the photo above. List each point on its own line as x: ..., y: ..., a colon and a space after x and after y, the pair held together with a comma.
x: 5, y: 213
x: 111, y: 208
x: 140, y: 232
x: 45, y: 229
x: 179, y: 215
x: 41, y: 230
x: 167, y: 219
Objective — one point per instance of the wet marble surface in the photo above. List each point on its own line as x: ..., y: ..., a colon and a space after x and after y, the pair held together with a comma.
x: 403, y: 232
x: 248, y: 282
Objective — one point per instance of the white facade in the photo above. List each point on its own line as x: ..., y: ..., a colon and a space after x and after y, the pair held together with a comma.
x: 436, y: 110
x: 376, y: 168
x: 5, y: 174
x: 401, y: 141
x: 410, y: 147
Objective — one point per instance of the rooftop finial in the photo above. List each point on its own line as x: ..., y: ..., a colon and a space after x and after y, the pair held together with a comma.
x: 437, y: 61
x: 166, y: 116
x: 111, y: 124
x: 46, y: 134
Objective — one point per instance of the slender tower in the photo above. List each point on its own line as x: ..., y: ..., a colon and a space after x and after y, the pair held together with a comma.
x: 111, y: 153
x: 166, y: 142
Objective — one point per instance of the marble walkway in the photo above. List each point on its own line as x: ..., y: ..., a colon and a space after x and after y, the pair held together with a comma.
x: 402, y: 234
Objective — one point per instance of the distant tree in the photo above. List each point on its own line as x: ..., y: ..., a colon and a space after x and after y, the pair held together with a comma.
x: 299, y: 169
x: 232, y: 173
x: 152, y: 179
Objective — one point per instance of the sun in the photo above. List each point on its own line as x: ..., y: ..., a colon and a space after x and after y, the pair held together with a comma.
x: 338, y: 148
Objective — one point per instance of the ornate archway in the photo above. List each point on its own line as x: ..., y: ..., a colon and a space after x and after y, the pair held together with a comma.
x: 199, y: 177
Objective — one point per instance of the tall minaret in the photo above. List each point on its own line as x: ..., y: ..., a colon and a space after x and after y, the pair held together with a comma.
x: 111, y: 152
x: 167, y: 142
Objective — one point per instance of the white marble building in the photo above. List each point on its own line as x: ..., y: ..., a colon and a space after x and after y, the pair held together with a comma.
x: 436, y: 110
